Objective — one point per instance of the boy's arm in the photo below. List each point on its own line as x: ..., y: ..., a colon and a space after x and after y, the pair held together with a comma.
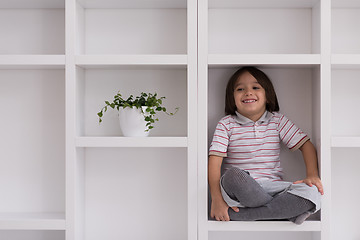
x: 312, y: 173
x: 219, y: 208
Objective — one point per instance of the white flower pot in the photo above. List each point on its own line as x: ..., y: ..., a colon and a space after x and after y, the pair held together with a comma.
x: 132, y: 122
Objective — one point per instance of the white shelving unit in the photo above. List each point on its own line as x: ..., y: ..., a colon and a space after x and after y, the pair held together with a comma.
x: 32, y: 92
x: 65, y: 177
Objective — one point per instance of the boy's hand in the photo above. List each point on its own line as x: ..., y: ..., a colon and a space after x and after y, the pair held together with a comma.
x: 310, y: 181
x: 219, y: 210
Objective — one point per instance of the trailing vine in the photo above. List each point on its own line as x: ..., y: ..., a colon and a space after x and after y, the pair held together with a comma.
x: 152, y: 102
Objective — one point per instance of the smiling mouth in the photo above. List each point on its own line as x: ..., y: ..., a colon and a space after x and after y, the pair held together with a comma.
x: 249, y: 101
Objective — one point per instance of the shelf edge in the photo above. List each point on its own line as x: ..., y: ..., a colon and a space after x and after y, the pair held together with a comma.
x: 345, y: 60
x: 266, y: 59
x: 103, y: 60
x: 312, y: 226
x: 131, y: 142
x: 32, y: 61
x: 32, y: 222
x: 345, y: 142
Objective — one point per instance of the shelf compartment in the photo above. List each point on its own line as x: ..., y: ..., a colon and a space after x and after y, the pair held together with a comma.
x: 345, y: 98
x: 115, y: 28
x: 33, y: 152
x: 32, y: 61
x: 131, y: 142
x: 264, y: 59
x: 95, y: 86
x: 32, y: 30
x: 98, y: 61
x: 345, y: 166
x: 345, y: 142
x: 116, y: 178
x: 298, y: 91
x: 345, y: 34
x: 284, y: 27
x: 32, y: 221
x: 266, y: 226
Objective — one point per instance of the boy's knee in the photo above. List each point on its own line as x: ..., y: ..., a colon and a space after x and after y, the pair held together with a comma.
x: 234, y: 171
x: 235, y: 176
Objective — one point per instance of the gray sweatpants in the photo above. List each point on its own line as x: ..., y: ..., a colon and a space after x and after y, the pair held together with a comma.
x: 260, y: 205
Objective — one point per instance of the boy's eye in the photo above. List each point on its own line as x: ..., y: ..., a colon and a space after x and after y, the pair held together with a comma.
x: 239, y: 89
x: 256, y: 87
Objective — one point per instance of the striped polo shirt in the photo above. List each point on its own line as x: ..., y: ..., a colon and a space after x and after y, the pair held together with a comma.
x: 255, y: 146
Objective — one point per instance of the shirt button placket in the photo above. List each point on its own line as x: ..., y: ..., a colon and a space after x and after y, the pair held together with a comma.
x: 256, y: 130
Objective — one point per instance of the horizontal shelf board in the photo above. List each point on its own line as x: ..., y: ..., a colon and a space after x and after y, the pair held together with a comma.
x: 264, y: 59
x: 345, y: 141
x: 32, y: 221
x: 32, y: 4
x: 345, y: 4
x: 131, y: 142
x: 133, y: 3
x: 96, y: 61
x: 32, y: 61
x: 262, y: 4
x: 263, y: 226
x: 345, y: 61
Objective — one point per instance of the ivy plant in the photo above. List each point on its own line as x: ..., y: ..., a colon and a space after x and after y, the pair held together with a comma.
x: 152, y: 102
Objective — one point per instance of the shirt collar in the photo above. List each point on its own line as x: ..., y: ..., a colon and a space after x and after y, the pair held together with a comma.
x: 244, y: 120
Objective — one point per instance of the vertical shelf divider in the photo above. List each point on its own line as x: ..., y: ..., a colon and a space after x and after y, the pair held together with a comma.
x: 72, y: 219
x: 192, y: 76
x: 325, y: 128
x: 203, y: 233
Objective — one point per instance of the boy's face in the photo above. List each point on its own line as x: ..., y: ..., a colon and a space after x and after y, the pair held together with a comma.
x: 249, y: 96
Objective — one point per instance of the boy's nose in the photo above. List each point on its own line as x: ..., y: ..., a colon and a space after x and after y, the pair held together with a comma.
x: 248, y: 92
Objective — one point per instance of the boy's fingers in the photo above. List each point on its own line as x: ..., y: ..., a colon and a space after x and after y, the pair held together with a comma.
x: 320, y: 188
x: 309, y: 184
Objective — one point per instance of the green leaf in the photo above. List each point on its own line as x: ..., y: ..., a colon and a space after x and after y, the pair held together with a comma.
x: 100, y: 114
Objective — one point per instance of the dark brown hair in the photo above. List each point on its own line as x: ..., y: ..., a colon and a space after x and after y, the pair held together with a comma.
x: 272, y: 104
